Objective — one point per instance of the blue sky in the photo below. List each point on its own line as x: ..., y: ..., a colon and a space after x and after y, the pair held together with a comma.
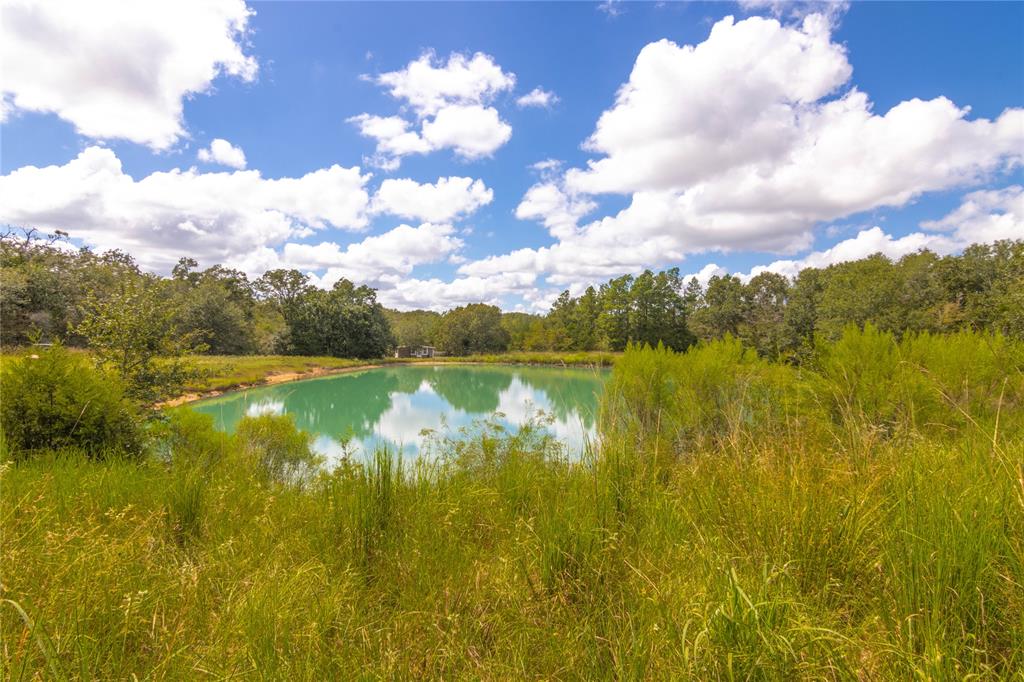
x: 712, y: 164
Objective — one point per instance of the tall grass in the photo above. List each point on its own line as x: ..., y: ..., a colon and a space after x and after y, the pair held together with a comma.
x: 860, y: 517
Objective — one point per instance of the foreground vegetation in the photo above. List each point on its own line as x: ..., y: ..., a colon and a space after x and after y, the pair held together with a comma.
x: 858, y: 516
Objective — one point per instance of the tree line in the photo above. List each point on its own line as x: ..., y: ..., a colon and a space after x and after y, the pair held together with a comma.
x: 49, y: 290
x: 981, y: 288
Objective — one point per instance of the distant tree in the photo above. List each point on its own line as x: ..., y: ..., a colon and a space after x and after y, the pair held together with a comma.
x: 216, y: 320
x: 217, y: 307
x: 857, y: 292
x: 50, y: 290
x: 345, y: 322
x: 613, y: 320
x: 693, y: 294
x: 518, y: 327
x: 281, y: 287
x: 985, y: 286
x: 474, y: 328
x: 562, y: 324
x: 658, y: 313
x: 800, y: 319
x: 540, y: 336
x: 765, y: 303
x: 186, y: 270
x: 583, y: 328
x: 413, y: 327
x: 723, y: 309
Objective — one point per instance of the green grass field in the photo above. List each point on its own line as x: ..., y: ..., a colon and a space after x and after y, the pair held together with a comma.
x: 861, y: 517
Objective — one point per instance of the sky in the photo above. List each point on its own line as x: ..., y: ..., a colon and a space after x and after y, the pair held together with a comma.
x: 452, y: 152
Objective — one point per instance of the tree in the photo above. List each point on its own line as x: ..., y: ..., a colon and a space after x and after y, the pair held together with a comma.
x: 857, y: 292
x: 658, y: 313
x: 345, y: 322
x: 133, y: 333
x: 613, y: 320
x: 185, y: 271
x: 985, y: 285
x: 800, y: 319
x: 413, y: 327
x: 722, y: 310
x: 474, y: 328
x: 583, y: 325
x: 217, y: 307
x: 281, y: 287
x: 217, y: 321
x: 518, y: 327
x: 561, y: 328
x: 765, y: 303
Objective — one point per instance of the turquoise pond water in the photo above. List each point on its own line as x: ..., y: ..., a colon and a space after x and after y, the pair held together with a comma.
x: 401, y: 406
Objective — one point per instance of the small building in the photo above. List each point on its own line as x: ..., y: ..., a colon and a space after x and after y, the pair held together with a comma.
x: 415, y: 352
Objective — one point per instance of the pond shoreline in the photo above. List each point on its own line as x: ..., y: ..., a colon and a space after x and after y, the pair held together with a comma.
x: 274, y: 378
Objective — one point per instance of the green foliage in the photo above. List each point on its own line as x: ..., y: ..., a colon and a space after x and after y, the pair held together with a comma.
x: 470, y: 329
x: 674, y: 403
x: 282, y: 288
x: 279, y: 451
x: 518, y: 326
x: 345, y: 322
x: 216, y: 308
x: 922, y: 381
x: 132, y: 332
x: 413, y: 328
x: 188, y: 440
x: 765, y: 299
x: 54, y: 399
x: 722, y: 308
x: 646, y: 309
x: 54, y: 291
x: 43, y: 286
x: 921, y: 292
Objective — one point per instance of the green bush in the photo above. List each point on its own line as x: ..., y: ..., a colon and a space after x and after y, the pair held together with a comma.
x: 277, y: 448
x: 922, y: 381
x: 56, y: 399
x: 189, y: 440
x: 677, y: 402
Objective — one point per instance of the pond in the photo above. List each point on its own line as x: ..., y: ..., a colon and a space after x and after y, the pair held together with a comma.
x: 401, y: 406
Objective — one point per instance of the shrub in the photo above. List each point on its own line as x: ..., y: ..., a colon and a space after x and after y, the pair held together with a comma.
x: 675, y: 402
x: 278, y: 449
x: 188, y: 439
x: 57, y: 399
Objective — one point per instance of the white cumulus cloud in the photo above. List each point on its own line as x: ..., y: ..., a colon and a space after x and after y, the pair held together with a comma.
x: 379, y: 260
x: 560, y: 212
x: 538, y: 97
x: 216, y: 217
x: 429, y: 87
x: 748, y: 140
x: 451, y: 103
x: 983, y: 217
x: 223, y: 152
x: 119, y: 70
x: 445, y: 200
